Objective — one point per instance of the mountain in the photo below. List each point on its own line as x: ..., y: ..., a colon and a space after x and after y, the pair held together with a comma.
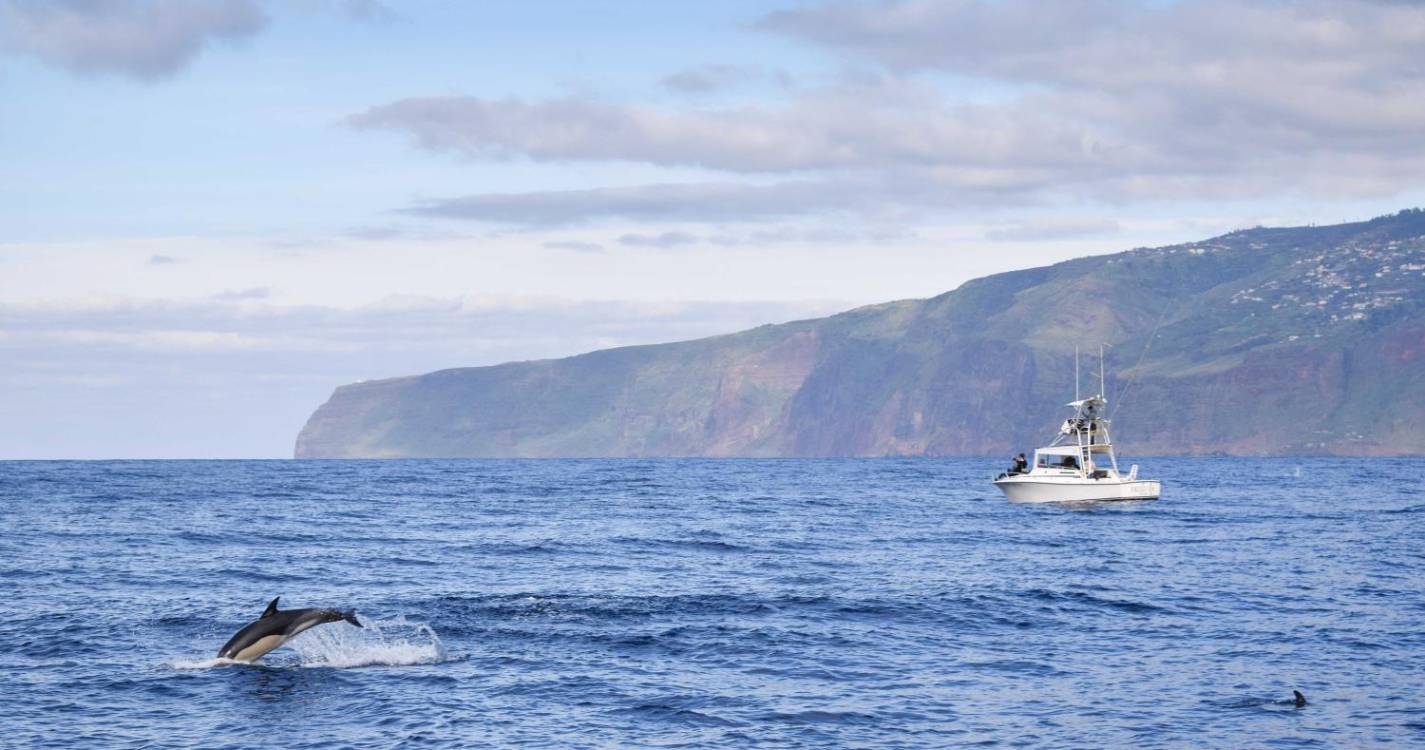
x: 1304, y: 340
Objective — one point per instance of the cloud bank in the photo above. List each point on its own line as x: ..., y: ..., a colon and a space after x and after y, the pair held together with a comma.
x: 661, y: 240
x: 1052, y: 228
x: 1094, y: 101
x: 661, y: 202
x: 142, y: 39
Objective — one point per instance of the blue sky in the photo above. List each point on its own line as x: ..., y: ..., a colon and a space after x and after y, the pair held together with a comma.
x: 213, y: 213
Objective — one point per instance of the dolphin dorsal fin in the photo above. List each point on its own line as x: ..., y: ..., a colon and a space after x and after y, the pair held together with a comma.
x: 271, y: 608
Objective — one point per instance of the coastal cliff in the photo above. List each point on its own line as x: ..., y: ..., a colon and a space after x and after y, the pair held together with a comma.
x: 1303, y: 340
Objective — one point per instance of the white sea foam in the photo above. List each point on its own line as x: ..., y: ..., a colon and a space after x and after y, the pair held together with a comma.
x: 391, y: 642
x: 202, y: 663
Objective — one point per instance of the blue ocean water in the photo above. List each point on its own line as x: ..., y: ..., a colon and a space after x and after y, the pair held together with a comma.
x: 698, y: 603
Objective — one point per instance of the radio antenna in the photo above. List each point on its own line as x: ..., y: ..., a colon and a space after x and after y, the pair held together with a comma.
x: 1101, y: 390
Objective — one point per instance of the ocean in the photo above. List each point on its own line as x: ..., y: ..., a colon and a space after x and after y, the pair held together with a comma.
x: 877, y: 603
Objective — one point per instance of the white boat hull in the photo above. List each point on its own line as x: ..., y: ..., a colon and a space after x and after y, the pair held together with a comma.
x: 1032, y: 489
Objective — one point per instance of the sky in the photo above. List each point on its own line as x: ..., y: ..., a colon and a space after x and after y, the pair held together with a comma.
x: 214, y: 212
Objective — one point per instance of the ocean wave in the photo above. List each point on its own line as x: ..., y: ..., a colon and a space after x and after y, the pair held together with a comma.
x: 699, y: 545
x: 675, y: 715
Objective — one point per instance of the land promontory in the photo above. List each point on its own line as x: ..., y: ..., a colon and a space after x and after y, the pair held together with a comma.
x: 1299, y: 340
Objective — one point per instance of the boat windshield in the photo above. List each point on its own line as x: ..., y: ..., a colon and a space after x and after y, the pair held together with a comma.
x: 1058, y: 462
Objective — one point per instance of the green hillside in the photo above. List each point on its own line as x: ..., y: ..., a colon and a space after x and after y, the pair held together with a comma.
x: 1262, y: 341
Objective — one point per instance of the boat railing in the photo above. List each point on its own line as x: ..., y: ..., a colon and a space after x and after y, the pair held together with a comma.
x: 1132, y: 472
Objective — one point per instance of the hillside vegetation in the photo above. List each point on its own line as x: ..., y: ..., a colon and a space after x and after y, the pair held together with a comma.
x: 1262, y: 341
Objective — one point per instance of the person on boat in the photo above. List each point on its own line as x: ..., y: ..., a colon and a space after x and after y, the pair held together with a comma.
x: 1019, y: 466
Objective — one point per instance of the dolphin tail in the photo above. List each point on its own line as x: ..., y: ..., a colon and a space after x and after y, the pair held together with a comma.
x: 350, y: 616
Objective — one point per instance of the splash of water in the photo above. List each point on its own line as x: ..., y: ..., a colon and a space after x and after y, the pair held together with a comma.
x: 391, y: 642
x: 202, y: 663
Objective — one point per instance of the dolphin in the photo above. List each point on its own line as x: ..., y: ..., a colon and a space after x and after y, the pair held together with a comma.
x: 275, y: 627
x: 1297, y: 699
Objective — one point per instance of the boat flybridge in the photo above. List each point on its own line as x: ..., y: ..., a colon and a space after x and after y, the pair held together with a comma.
x: 1079, y: 464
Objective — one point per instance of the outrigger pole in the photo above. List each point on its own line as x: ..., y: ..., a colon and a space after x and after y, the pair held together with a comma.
x: 1076, y: 372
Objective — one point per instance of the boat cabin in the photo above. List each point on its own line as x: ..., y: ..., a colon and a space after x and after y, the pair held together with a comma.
x: 1087, y: 461
x: 1082, y: 448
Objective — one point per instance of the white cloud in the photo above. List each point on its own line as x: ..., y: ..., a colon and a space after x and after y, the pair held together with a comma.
x: 143, y: 39
x: 1094, y: 102
x: 661, y: 240
x: 1340, y: 76
x: 712, y: 201
x: 813, y: 235
x: 169, y: 340
x: 707, y: 78
x: 1052, y: 228
x: 578, y: 246
x: 469, y: 330
x: 816, y: 258
x: 241, y: 295
x: 872, y: 124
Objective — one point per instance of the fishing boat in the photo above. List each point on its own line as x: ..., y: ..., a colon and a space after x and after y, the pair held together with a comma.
x: 1079, y: 465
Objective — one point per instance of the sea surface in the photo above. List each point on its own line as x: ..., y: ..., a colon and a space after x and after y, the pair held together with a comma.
x: 881, y: 603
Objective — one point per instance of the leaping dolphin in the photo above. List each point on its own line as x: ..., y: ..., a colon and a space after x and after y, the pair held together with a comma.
x: 275, y: 627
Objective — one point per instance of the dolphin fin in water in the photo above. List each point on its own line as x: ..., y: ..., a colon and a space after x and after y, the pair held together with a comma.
x: 350, y: 616
x: 271, y: 608
x: 1298, y: 699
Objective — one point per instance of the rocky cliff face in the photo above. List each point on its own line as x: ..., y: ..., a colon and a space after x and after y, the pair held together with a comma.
x: 1263, y: 341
